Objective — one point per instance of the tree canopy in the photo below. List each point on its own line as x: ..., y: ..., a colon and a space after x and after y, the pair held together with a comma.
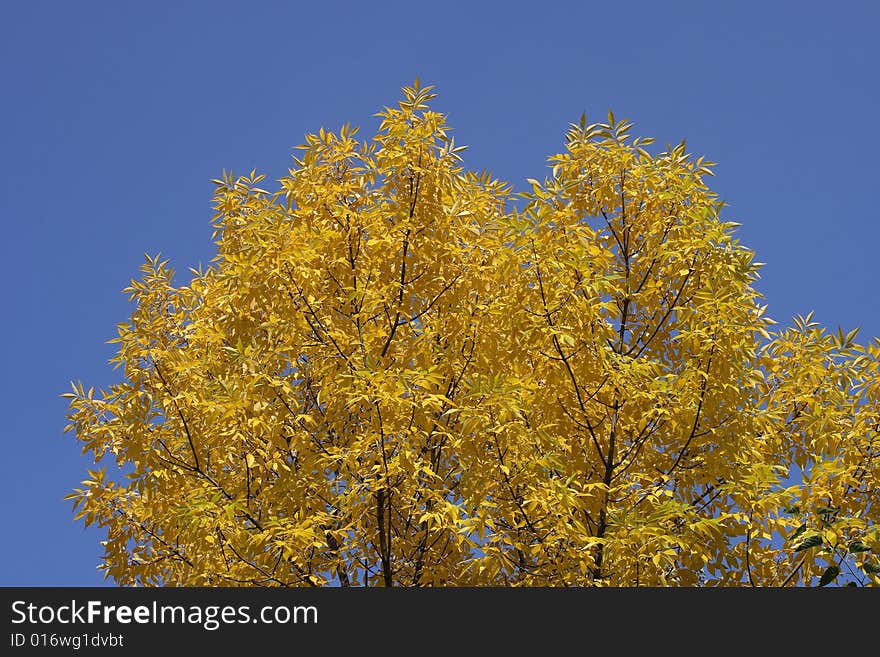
x: 400, y: 372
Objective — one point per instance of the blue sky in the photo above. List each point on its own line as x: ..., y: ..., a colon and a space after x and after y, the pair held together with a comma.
x: 115, y: 116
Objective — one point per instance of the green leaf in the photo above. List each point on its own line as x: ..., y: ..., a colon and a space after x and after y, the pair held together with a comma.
x: 792, y: 509
x: 871, y: 568
x: 810, y: 541
x: 858, y: 546
x: 828, y: 576
x: 800, y: 530
x: 826, y: 510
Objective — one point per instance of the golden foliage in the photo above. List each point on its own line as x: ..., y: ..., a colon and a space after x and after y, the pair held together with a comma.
x: 393, y: 375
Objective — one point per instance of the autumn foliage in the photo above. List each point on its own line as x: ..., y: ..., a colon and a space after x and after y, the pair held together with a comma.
x: 398, y: 372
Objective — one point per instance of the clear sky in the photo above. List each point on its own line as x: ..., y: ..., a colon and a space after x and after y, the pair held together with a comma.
x: 114, y: 116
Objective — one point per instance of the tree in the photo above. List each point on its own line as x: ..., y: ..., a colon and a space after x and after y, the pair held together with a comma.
x: 391, y: 374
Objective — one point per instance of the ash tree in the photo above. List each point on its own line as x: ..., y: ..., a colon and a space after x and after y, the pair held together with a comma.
x: 392, y: 374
